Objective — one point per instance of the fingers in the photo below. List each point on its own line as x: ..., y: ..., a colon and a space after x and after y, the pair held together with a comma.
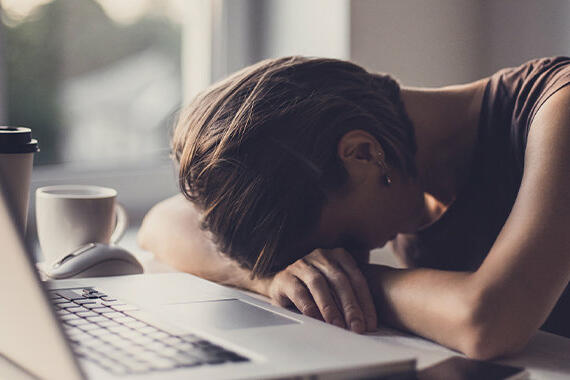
x: 329, y: 287
x: 361, y: 290
x: 320, y: 291
x: 288, y: 289
x: 342, y: 287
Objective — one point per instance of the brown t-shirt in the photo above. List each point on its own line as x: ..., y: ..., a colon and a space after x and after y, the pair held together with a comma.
x: 464, y: 234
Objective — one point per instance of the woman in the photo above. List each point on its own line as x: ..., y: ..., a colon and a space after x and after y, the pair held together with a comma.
x: 295, y: 168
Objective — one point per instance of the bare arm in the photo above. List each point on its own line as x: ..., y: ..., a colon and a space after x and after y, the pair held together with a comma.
x: 495, y: 310
x: 171, y: 230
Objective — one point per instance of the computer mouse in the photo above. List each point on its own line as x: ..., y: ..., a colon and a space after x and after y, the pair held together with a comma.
x: 95, y: 260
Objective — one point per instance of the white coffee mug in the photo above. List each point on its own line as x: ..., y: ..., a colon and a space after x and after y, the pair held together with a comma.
x: 70, y: 216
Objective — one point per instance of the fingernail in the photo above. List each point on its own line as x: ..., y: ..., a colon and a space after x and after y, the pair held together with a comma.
x: 338, y: 322
x: 356, y: 326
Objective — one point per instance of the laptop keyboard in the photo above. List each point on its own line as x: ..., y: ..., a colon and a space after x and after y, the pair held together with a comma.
x: 107, y: 332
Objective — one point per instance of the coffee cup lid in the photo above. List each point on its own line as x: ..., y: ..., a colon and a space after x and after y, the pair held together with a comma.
x: 17, y: 140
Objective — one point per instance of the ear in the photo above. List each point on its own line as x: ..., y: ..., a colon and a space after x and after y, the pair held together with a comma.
x: 360, y: 146
x: 360, y: 152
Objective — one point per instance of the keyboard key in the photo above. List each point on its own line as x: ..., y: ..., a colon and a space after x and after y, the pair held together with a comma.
x: 87, y: 314
x: 57, y: 301
x: 99, y: 332
x: 142, y: 340
x: 76, y: 321
x: 94, y: 304
x: 89, y: 326
x: 71, y: 294
x: 68, y: 316
x: 162, y: 363
x: 76, y: 309
x: 108, y: 302
x: 65, y: 305
x: 185, y: 360
x: 132, y: 334
x: 73, y: 331
x: 103, y: 310
x: 117, y: 329
x: 125, y: 319
x: 115, y: 315
x: 92, y: 342
x: 135, y: 324
x: 80, y: 301
x: 107, y: 323
x: 97, y: 318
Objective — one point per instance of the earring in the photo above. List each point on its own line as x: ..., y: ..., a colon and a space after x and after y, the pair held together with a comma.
x: 387, y: 179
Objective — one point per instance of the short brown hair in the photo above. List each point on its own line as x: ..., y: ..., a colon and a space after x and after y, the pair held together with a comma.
x: 258, y: 150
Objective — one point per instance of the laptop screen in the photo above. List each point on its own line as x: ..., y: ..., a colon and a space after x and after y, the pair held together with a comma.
x: 31, y: 334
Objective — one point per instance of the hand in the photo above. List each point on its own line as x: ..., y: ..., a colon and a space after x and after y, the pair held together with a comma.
x: 327, y: 285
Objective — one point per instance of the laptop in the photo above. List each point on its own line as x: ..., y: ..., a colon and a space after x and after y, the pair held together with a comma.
x: 167, y: 326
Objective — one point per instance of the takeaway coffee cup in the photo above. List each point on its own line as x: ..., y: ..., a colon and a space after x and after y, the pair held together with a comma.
x: 71, y: 216
x: 17, y: 150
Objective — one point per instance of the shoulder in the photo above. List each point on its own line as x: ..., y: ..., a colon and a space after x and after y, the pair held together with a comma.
x: 549, y: 134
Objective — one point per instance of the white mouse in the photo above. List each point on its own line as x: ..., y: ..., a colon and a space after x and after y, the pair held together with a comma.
x: 95, y: 260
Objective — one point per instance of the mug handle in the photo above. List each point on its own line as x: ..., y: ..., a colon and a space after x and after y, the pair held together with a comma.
x: 121, y: 224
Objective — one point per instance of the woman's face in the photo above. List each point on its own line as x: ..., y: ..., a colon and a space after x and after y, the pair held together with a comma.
x: 369, y: 214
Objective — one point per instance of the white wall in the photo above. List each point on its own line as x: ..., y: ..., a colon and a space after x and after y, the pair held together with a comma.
x: 438, y: 42
x: 223, y: 36
x: 515, y: 31
x: 306, y: 27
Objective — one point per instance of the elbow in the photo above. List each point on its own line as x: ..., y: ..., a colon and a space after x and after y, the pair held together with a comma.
x: 487, y: 344
x: 150, y: 236
x: 490, y: 333
x: 144, y: 238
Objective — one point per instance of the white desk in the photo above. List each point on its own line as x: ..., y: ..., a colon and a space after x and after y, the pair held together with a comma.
x: 547, y: 356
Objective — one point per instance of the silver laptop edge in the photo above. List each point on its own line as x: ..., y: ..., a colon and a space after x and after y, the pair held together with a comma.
x: 31, y: 335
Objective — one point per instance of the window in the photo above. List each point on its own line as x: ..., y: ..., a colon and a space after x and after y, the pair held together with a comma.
x: 98, y: 81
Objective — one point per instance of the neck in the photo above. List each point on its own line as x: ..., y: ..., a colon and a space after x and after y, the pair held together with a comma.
x: 445, y: 121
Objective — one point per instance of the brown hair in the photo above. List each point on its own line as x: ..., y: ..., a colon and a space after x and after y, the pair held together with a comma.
x: 258, y: 150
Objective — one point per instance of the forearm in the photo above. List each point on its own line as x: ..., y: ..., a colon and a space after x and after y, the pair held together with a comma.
x: 432, y: 303
x: 171, y: 230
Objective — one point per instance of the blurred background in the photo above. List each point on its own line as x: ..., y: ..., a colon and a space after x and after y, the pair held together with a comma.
x: 100, y: 81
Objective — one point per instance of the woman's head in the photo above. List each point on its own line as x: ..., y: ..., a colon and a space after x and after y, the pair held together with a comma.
x: 258, y: 151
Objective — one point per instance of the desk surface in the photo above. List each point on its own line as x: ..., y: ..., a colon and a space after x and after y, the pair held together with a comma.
x: 547, y: 356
